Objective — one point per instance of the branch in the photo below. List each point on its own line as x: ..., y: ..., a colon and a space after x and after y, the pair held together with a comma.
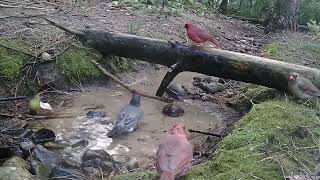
x: 12, y: 98
x: 133, y: 91
x: 207, y: 133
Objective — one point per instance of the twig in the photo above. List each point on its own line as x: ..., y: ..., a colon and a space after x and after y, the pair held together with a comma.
x: 207, y: 133
x: 62, y: 27
x: 12, y: 98
x: 9, y: 115
x: 133, y: 91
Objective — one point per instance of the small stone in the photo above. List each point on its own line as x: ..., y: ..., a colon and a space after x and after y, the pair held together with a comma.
x: 58, y: 172
x: 93, y: 114
x: 14, y: 173
x: 17, y: 162
x: 176, y: 91
x: 46, y: 56
x: 53, y: 146
x: 92, y: 154
x: 106, y: 166
x: 39, y: 169
x: 122, y: 159
x: 132, y: 164
x: 43, y: 135
x: 173, y: 110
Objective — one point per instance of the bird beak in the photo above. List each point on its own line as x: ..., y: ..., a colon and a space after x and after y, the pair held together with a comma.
x: 291, y: 78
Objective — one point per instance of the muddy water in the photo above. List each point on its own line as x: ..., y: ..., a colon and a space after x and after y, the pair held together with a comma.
x: 141, y: 144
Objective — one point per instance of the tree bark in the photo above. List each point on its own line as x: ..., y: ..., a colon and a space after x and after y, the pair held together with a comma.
x: 212, y: 62
x: 223, y: 6
x: 285, y: 15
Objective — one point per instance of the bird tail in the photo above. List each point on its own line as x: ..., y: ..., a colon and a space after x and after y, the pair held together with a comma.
x: 215, y: 42
x: 167, y: 176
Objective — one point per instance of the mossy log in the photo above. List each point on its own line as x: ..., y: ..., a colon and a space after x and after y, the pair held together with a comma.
x: 212, y: 62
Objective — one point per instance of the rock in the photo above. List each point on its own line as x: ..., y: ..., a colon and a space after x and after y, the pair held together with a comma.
x: 46, y: 56
x: 17, y: 162
x: 39, y: 169
x: 122, y: 159
x: 93, y: 154
x: 58, y: 172
x: 69, y: 163
x: 173, y: 110
x: 81, y: 143
x: 53, y: 146
x: 43, y: 135
x: 6, y: 152
x: 93, y: 114
x: 301, y: 132
x: 14, y: 173
x: 211, y: 88
x: 92, y: 170
x: 132, y: 164
x: 106, y: 166
x: 176, y: 91
x: 45, y: 156
x: 26, y: 147
x: 206, y: 79
x: 19, y: 133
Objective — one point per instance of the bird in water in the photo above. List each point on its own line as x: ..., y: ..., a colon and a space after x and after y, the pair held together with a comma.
x: 34, y: 105
x: 174, y: 154
x: 199, y: 34
x: 301, y: 87
x: 128, y: 119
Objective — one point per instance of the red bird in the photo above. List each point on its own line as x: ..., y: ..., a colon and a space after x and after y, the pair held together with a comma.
x: 174, y: 154
x: 199, y: 34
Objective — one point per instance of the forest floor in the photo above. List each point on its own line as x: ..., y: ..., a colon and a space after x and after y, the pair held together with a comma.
x: 301, y: 48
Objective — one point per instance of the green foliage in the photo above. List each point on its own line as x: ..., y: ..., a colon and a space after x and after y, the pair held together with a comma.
x: 314, y: 27
x: 309, y: 10
x: 119, y: 64
x: 273, y: 51
x: 12, y: 61
x: 75, y: 64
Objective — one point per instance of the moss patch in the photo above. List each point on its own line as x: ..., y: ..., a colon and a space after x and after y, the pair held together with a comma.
x: 12, y: 61
x: 75, y: 64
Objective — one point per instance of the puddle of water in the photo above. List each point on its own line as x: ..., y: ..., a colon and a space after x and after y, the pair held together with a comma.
x: 141, y: 144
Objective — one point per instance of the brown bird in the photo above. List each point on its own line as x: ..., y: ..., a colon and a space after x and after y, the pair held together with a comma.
x: 174, y: 154
x: 199, y: 34
x: 301, y: 87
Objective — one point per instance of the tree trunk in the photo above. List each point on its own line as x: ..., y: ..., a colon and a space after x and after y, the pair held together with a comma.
x: 223, y: 6
x: 212, y: 62
x: 285, y: 16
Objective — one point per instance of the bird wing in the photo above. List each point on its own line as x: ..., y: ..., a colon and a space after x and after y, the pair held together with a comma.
x: 308, y: 87
x: 128, y: 118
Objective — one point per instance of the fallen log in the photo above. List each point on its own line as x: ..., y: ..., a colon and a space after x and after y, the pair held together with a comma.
x: 212, y: 62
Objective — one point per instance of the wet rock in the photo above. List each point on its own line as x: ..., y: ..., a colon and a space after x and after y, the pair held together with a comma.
x: 53, y: 146
x: 176, y: 91
x: 92, y: 170
x: 40, y: 169
x: 58, y: 172
x: 211, y: 88
x: 94, y: 114
x: 81, y: 143
x: 5, y: 152
x: 132, y: 164
x: 45, y: 156
x: 93, y: 154
x: 17, y: 162
x: 122, y: 159
x: 43, y: 135
x: 173, y: 110
x: 206, y: 79
x: 14, y: 173
x: 19, y: 133
x: 26, y: 146
x: 69, y: 163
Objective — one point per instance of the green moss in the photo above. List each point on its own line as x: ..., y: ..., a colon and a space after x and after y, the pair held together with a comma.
x: 119, y: 64
x: 12, y: 61
x: 75, y: 64
x: 274, y: 51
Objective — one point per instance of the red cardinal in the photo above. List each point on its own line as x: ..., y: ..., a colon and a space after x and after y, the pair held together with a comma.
x: 174, y: 154
x: 199, y: 34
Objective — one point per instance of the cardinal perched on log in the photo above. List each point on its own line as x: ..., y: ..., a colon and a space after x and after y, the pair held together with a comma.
x: 174, y: 154
x: 199, y: 34
x: 301, y: 87
x: 129, y: 118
